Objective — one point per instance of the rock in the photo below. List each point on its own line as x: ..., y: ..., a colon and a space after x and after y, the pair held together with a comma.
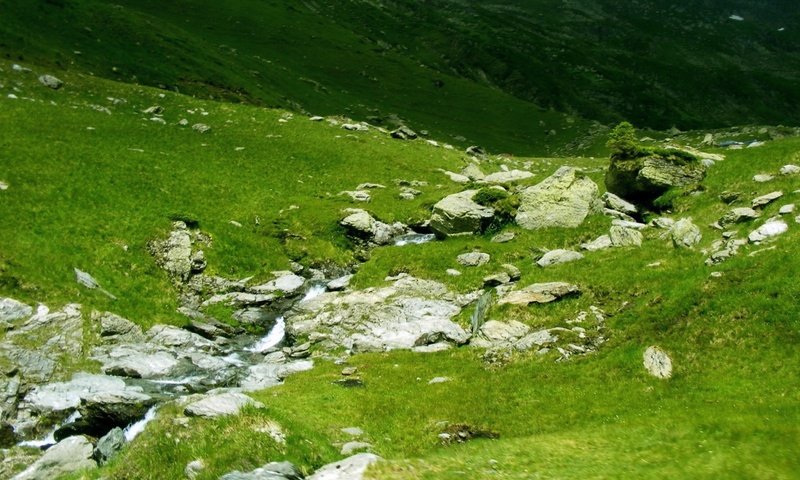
x: 473, y: 172
x: 494, y: 333
x: 501, y: 278
x: 657, y: 362
x: 409, y: 313
x: 535, y: 339
x: 628, y: 224
x: 201, y: 128
x: 289, y: 284
x: 357, y: 195
x: 765, y: 200
x: 513, y: 272
x: 193, y: 469
x: 453, y: 272
x: 457, y: 214
x: 270, y: 471
x: 355, y: 127
x: 174, y: 254
x: 644, y: 179
x: 67, y: 456
x: 350, y: 448
x: 685, y: 234
x: 558, y: 256
x: 786, y: 209
x: 617, y: 204
x: 113, y: 327
x: 663, y: 222
x: 435, y: 380
x: 503, y: 237
x: 268, y: 374
x: 475, y: 151
x: 102, y: 411
x: 347, y: 371
x: 153, y: 110
x: 340, y: 283
x: 50, y: 81
x: 109, y: 445
x: 351, y: 468
x: 3, y: 186
x: 136, y: 361
x: 739, y: 215
x: 790, y: 170
x: 62, y: 396
x: 408, y: 193
x: 511, y: 176
x: 215, y: 405
x: 12, y: 310
x: 625, y: 237
x: 404, y: 133
x: 177, y: 338
x: 360, y: 225
x: 600, y: 243
x: 8, y: 437
x: 562, y: 200
x: 763, y: 178
x: 353, y: 431
x: 729, y: 197
x: 770, y: 229
x: 473, y: 259
x: 540, y: 293
x: 457, y: 177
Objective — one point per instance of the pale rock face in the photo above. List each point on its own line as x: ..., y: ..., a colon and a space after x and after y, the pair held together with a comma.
x: 457, y: 214
x: 69, y: 455
x: 657, y: 362
x: 768, y: 230
x: 559, y: 256
x: 215, y: 405
x: 511, y: 176
x: 564, y: 200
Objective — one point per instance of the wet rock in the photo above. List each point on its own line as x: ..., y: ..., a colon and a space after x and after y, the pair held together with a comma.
x: 558, y: 256
x: 540, y: 293
x: 215, y: 405
x: 351, y: 468
x: 657, y: 362
x: 473, y: 259
x: 136, y: 361
x: 564, y: 199
x: 458, y: 214
x: 69, y: 455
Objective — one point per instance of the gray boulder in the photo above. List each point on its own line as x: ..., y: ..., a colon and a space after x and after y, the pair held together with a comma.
x: 625, y: 237
x: 362, y: 226
x: 562, y: 200
x: 765, y: 200
x: 176, y: 255
x: 351, y: 468
x: 685, y: 234
x: 12, y: 310
x: 600, y: 243
x: 109, y: 445
x: 50, y: 81
x: 219, y: 404
x: 558, y: 256
x: 67, y: 456
x: 473, y: 259
x: 771, y: 229
x: 790, y: 170
x: 617, y: 204
x: 511, y: 176
x: 457, y: 214
x: 657, y: 362
x: 540, y: 293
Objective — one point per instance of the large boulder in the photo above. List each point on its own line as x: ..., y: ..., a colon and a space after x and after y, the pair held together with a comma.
x: 458, y: 214
x: 645, y: 178
x: 363, y: 227
x: 564, y: 199
x: 540, y: 293
x: 219, y: 404
x: 69, y: 455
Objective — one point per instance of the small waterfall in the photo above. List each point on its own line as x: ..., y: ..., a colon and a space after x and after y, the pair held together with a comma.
x: 134, y: 429
x: 50, y: 438
x: 414, y: 239
x: 313, y: 292
x: 273, y: 338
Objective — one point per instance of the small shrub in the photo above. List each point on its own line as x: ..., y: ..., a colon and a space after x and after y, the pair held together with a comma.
x: 488, y: 197
x: 622, y: 141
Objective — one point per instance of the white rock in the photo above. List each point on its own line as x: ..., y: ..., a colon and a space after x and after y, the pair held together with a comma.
x: 657, y: 362
x: 763, y: 178
x: 436, y: 380
x: 770, y: 229
x: 558, y: 256
x: 11, y: 310
x: 787, y: 209
x: 790, y: 170
x: 765, y: 200
x: 473, y: 259
x: 351, y: 468
x: 215, y: 405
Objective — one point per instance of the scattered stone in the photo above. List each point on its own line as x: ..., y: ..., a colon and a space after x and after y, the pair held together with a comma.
x: 473, y: 259
x: 765, y: 200
x: 473, y: 172
x: 3, y: 186
x: 729, y: 197
x: 763, y: 178
x: 600, y: 243
x: 657, y: 362
x: 404, y: 133
x: 647, y: 178
x: 88, y: 281
x: 458, y: 214
x: 435, y: 380
x: 316, y: 118
x: 685, y: 234
x: 12, y: 310
x: 564, y: 199
x: 339, y: 284
x: 628, y: 224
x: 50, y: 81
x: 625, y: 237
x: 194, y: 468
x: 357, y: 195
x: 109, y: 445
x: 408, y: 193
x: 362, y: 226
x: 739, y: 215
x: 453, y: 272
x: 511, y: 176
x: 513, y: 272
x: 201, y: 128
x: 270, y: 471
x: 460, y: 433
x: 457, y: 177
x: 350, y: 448
x: 786, y: 209
x: 503, y: 334
x: 503, y: 237
x: 215, y: 405
x: 501, y: 278
x: 351, y: 468
x: 475, y: 151
x: 663, y: 222
x: 348, y: 371
x: 540, y: 293
x: 67, y: 456
x: 559, y: 256
x: 355, y: 127
x: 790, y: 170
x: 617, y: 204
x: 353, y: 431
x: 350, y: 382
x: 770, y: 229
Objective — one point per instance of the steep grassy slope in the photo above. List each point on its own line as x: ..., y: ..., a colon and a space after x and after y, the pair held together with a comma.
x: 276, y: 54
x: 88, y: 190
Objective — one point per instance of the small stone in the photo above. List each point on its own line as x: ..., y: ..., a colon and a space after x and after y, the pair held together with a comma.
x: 559, y: 256
x: 729, y: 197
x: 513, y: 272
x: 473, y: 259
x: 347, y: 371
x: 50, y: 81
x: 790, y: 170
x: 625, y: 237
x: 786, y: 209
x: 765, y: 200
x: 201, y: 127
x: 763, y: 178
x: 739, y: 215
x: 193, y: 469
x: 496, y: 279
x: 453, y: 272
x: 3, y: 186
x: 436, y: 380
x: 540, y: 293
x: 351, y: 468
x: 503, y: 237
x: 716, y: 274
x: 657, y: 362
x: 768, y: 230
x: 353, y: 431
x: 600, y: 243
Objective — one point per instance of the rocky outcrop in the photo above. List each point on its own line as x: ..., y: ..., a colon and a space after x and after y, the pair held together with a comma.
x: 270, y: 471
x: 645, y: 178
x: 177, y: 255
x: 458, y: 214
x: 558, y: 256
x: 562, y: 200
x: 539, y: 293
x: 363, y: 227
x: 408, y: 313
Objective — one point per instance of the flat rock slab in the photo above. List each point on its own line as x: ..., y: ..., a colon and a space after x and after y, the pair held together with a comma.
x: 765, y: 200
x: 351, y: 468
x: 216, y: 405
x: 67, y: 456
x: 555, y: 257
x: 768, y: 230
x: 11, y: 310
x: 270, y: 471
x: 540, y: 293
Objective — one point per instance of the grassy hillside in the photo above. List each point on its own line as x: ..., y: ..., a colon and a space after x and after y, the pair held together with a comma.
x: 88, y: 189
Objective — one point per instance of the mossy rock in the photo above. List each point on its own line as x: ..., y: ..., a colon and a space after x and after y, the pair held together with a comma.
x: 645, y: 178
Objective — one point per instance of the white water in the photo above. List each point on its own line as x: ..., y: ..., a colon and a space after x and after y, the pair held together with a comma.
x: 313, y: 292
x: 135, y: 429
x: 414, y: 239
x: 274, y: 337
x: 50, y: 438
